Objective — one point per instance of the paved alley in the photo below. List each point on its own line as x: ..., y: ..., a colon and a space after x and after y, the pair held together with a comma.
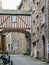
x: 25, y: 60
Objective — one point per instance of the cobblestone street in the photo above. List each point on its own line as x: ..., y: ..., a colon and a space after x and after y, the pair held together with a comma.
x: 25, y: 60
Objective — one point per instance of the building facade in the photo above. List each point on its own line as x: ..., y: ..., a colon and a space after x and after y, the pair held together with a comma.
x: 15, y: 42
x: 38, y: 26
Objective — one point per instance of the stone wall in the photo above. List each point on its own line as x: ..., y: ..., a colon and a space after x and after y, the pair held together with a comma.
x: 38, y: 26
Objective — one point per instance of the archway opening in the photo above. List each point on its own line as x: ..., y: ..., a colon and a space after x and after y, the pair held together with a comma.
x: 15, y: 42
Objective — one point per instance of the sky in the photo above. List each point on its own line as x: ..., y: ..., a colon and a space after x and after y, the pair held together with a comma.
x: 10, y: 4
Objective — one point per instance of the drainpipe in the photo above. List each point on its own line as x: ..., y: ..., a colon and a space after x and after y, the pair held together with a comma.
x: 46, y: 25
x: 31, y: 26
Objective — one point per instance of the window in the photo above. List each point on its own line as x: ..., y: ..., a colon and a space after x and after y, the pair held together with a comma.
x: 43, y: 9
x: 9, y: 47
x: 37, y: 16
x: 26, y: 36
x: 37, y: 40
x: 38, y: 3
x: 42, y: 25
x: 33, y: 33
x: 33, y: 12
x: 33, y: 0
x: 13, y: 18
x: 34, y: 22
x: 38, y: 28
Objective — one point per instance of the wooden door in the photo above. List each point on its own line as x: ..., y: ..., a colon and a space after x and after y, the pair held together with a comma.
x: 3, y: 42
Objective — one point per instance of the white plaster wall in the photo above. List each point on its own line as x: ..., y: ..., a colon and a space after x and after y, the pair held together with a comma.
x: 8, y: 42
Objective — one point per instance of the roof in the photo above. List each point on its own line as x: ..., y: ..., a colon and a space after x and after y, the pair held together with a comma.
x: 12, y: 12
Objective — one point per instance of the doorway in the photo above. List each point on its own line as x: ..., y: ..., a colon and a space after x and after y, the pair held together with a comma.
x: 35, y: 50
x: 43, y: 39
x: 3, y: 42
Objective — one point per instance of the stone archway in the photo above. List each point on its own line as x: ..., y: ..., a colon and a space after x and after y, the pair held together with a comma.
x: 43, y: 40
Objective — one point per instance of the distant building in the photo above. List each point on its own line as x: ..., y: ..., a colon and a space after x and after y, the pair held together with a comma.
x: 0, y: 4
x: 24, y: 5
